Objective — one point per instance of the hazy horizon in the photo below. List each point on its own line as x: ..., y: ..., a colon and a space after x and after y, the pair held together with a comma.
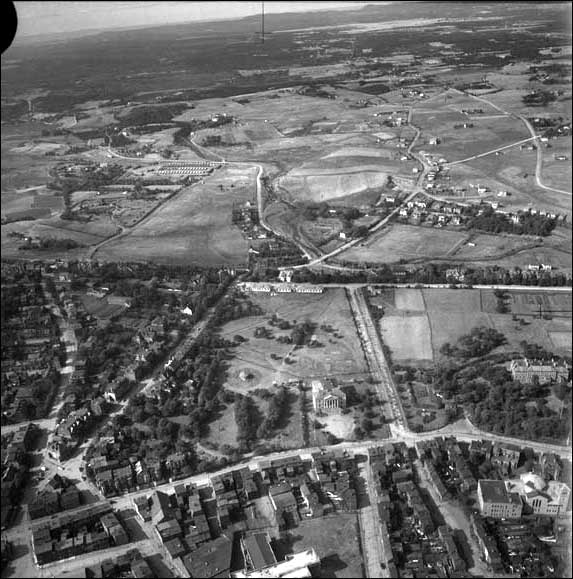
x: 37, y: 19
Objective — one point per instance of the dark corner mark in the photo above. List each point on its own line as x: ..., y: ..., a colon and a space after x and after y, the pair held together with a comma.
x: 9, y: 23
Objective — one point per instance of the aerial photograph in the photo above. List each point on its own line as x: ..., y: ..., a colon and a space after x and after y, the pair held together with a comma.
x: 286, y: 290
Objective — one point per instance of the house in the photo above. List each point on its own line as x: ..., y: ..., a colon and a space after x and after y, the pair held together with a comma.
x: 496, y: 501
x: 161, y: 509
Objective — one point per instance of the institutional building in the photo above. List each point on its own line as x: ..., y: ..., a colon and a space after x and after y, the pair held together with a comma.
x: 525, y: 370
x: 496, y: 501
x: 543, y: 498
x: 325, y: 399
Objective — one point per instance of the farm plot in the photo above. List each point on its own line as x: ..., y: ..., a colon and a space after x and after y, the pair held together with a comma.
x: 555, y: 171
x: 486, y: 134
x: 260, y: 362
x: 194, y: 226
x: 16, y: 202
x: 452, y: 313
x: 409, y: 299
x: 404, y: 242
x: 408, y: 337
x: 517, y: 177
x: 531, y: 303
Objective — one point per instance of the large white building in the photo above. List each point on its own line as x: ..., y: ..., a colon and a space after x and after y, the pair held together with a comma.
x: 525, y: 370
x: 329, y: 400
x: 545, y: 498
x: 497, y: 502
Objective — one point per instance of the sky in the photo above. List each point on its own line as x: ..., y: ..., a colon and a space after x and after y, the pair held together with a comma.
x: 55, y: 17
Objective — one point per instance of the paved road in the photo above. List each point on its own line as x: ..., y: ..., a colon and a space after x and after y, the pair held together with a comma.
x: 377, y: 363
x: 534, y: 135
x: 369, y: 523
x: 491, y: 152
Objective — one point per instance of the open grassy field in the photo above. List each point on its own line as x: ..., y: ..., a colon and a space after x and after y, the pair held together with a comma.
x: 449, y: 314
x: 557, y: 173
x: 486, y: 134
x: 404, y: 242
x: 409, y: 337
x: 194, y: 226
x: 335, y: 539
x: 340, y: 356
x: 558, y: 255
x: 490, y: 246
x: 100, y: 308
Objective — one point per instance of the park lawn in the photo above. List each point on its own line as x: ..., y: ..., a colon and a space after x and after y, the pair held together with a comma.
x: 339, y: 356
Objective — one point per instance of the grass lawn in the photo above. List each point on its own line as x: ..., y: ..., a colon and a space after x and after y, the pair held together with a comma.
x: 269, y: 361
x: 335, y: 539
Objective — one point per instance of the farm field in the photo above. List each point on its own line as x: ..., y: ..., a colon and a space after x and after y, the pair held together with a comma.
x: 457, y: 144
x: 518, y: 178
x: 557, y: 173
x: 44, y: 229
x: 340, y: 356
x: 408, y: 337
x: 449, y: 314
x: 404, y: 242
x: 194, y: 226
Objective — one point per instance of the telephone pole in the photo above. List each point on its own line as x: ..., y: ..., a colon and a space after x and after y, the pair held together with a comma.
x: 262, y: 22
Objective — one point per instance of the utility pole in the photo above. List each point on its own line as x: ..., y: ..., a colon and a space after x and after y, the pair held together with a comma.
x: 262, y: 22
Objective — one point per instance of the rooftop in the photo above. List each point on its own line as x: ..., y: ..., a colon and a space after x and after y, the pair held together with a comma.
x: 494, y: 491
x: 210, y: 560
x: 259, y: 550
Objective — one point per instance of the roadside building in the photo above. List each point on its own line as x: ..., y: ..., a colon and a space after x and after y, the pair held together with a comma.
x: 543, y: 498
x: 495, y: 500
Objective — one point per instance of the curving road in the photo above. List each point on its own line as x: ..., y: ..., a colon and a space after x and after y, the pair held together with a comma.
x: 531, y: 130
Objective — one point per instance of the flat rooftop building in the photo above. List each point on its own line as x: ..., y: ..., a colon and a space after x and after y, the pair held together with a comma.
x: 497, y: 502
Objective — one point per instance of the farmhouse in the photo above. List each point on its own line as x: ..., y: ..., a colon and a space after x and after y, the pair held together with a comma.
x: 525, y: 370
x: 329, y: 400
x: 496, y: 501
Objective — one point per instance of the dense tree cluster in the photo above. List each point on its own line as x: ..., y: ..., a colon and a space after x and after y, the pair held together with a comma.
x: 433, y: 273
x: 247, y: 417
x: 278, y: 407
x: 147, y: 115
x: 539, y: 98
x: 302, y: 333
x: 477, y: 343
x: 530, y: 224
x: 494, y: 402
